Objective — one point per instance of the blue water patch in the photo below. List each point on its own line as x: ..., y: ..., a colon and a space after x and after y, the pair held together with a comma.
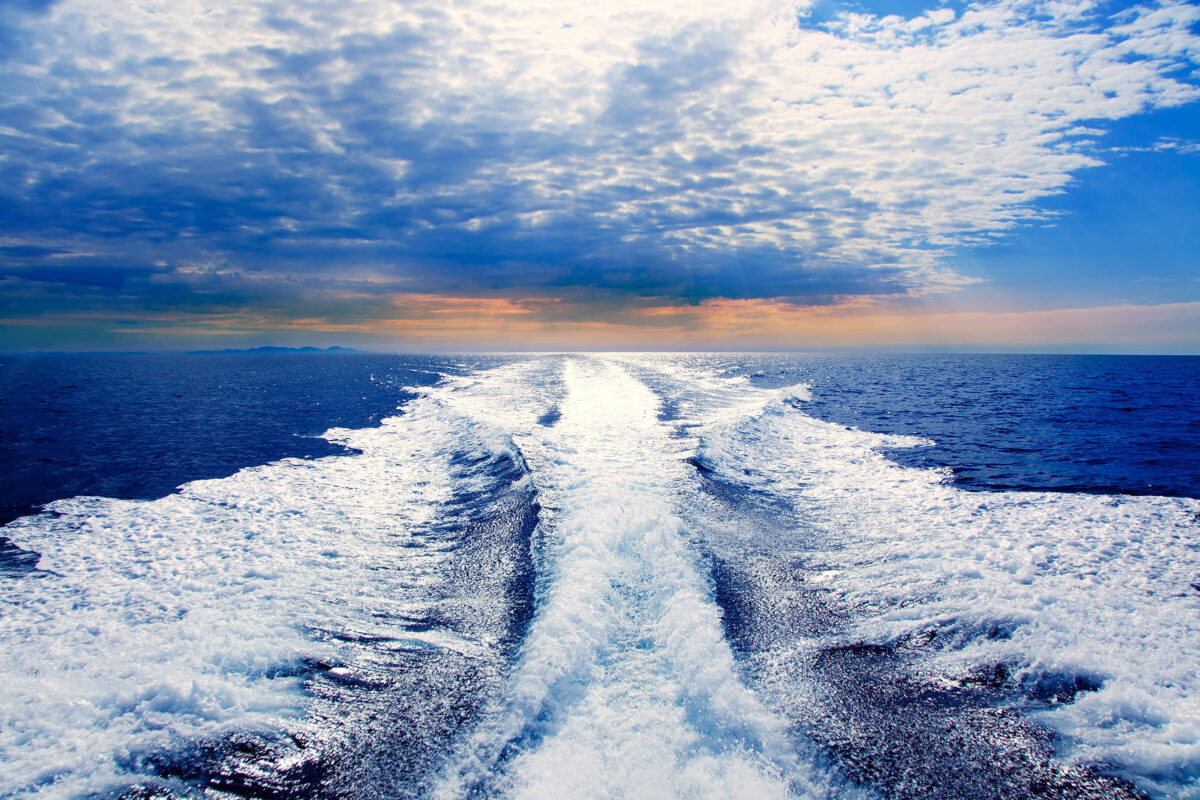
x: 407, y: 622
x: 137, y: 426
x: 1107, y: 424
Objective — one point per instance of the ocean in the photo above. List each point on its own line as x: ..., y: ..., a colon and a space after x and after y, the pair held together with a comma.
x: 600, y: 575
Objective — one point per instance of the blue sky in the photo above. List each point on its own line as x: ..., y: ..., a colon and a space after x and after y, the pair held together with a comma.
x: 996, y: 175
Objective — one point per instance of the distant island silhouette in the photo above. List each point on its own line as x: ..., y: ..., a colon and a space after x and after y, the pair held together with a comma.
x: 270, y: 349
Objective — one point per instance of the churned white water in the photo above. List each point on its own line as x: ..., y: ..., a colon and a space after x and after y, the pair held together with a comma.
x: 1050, y: 585
x: 625, y: 685
x: 189, y: 617
x: 192, y: 617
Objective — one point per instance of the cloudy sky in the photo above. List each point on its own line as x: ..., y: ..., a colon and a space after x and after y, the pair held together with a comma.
x: 418, y: 174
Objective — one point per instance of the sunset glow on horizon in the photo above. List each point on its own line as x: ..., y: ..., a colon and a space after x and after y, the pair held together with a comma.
x: 524, y: 175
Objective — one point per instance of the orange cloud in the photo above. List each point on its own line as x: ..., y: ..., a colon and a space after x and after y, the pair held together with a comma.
x: 751, y: 324
x: 442, y: 304
x: 766, y: 323
x: 426, y: 321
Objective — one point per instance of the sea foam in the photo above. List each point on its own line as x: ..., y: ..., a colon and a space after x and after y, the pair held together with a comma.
x: 1095, y: 590
x: 625, y: 675
x: 156, y: 625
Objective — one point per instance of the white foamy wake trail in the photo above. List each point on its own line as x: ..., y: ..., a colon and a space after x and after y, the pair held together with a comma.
x: 161, y: 624
x: 1062, y: 590
x: 625, y: 686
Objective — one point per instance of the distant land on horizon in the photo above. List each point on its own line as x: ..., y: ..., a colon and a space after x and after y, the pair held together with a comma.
x: 228, y: 351
x: 272, y: 349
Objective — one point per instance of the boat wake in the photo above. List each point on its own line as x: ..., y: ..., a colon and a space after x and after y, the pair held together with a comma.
x: 603, y: 576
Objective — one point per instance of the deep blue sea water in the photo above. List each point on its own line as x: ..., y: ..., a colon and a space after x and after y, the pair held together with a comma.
x: 138, y: 426
x: 1112, y: 424
x: 548, y: 576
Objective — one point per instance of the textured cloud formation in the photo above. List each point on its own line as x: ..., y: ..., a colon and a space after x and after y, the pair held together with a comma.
x: 321, y: 159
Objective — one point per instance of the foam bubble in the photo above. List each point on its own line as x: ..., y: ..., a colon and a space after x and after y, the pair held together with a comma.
x: 625, y: 674
x: 191, y: 617
x: 1048, y: 584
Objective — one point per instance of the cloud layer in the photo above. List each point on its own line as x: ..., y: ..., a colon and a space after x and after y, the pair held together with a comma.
x: 328, y: 160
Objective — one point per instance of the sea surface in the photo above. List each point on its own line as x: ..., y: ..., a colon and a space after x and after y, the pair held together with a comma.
x: 600, y: 575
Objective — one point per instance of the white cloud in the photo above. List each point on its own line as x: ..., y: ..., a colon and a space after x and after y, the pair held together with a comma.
x: 668, y: 130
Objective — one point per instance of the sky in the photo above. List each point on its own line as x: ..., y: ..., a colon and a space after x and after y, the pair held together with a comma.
x: 608, y: 174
